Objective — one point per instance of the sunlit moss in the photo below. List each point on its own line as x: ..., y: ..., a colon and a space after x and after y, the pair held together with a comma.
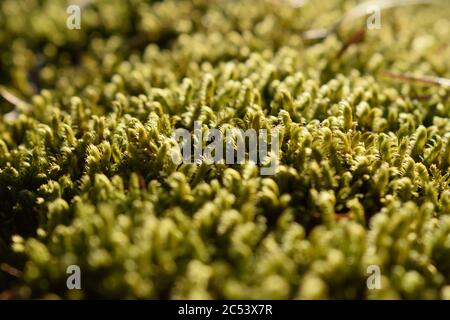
x: 86, y: 175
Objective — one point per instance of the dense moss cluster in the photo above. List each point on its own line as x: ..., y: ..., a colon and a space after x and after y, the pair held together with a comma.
x: 86, y: 176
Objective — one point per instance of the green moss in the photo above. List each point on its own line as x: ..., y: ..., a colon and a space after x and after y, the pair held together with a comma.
x: 86, y: 175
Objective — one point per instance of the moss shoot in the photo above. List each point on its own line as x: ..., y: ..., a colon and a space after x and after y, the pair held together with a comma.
x: 86, y: 175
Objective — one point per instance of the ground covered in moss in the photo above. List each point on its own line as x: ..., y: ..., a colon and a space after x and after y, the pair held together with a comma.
x: 86, y: 176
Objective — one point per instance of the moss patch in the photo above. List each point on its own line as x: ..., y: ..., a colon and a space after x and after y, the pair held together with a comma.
x: 86, y: 177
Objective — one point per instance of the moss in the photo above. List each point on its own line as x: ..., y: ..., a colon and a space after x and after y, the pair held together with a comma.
x: 87, y: 178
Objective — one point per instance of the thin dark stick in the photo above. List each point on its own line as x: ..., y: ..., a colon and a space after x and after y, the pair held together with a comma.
x: 437, y: 81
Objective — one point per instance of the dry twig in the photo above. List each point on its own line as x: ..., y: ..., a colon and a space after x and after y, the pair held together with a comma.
x: 437, y: 81
x: 360, y: 11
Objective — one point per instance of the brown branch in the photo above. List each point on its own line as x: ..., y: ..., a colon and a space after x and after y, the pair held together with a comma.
x: 427, y: 97
x: 360, y: 11
x: 356, y: 37
x: 437, y: 81
x: 10, y: 270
